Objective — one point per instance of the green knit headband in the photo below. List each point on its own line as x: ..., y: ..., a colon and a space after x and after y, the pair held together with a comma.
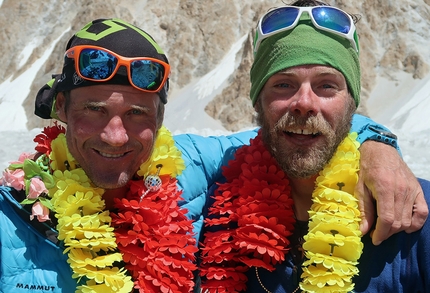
x: 305, y: 45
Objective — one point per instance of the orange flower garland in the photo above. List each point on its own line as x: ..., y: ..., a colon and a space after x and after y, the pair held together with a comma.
x: 256, y: 199
x: 153, y: 237
x: 152, y: 231
x: 252, y: 217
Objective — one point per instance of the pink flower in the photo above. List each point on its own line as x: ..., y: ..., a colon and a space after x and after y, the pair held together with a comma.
x: 14, y: 179
x: 22, y: 157
x: 40, y: 211
x: 36, y: 188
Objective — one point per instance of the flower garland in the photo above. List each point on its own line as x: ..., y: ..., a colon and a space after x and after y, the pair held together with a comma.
x: 150, y: 233
x: 252, y: 218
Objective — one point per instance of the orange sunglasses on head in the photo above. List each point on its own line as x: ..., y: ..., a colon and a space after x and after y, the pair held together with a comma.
x: 99, y: 64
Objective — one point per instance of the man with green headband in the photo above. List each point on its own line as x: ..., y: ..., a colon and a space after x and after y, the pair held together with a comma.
x: 114, y: 204
x: 286, y: 216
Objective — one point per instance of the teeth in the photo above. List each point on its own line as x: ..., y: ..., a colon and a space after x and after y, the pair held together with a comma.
x: 111, y: 155
x: 307, y: 132
x: 303, y: 131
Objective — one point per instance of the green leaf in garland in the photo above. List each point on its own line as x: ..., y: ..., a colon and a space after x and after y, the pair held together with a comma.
x: 32, y: 169
x: 28, y: 201
x: 46, y: 202
x: 13, y: 167
x: 48, y: 180
x: 27, y: 183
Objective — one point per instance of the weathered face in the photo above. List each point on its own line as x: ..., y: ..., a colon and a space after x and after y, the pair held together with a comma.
x: 111, y: 130
x: 305, y: 112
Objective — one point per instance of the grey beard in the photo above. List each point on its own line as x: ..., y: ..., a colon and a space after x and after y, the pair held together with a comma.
x: 303, y: 162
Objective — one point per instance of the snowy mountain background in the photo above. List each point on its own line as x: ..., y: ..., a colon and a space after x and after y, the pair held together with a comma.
x: 208, y: 44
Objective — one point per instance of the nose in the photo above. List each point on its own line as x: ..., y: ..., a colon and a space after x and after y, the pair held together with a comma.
x: 305, y: 102
x: 114, y: 133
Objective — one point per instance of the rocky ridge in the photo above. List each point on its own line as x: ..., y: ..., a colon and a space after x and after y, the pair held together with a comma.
x: 197, y: 34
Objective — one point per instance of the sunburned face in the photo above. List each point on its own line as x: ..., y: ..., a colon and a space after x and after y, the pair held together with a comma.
x: 305, y: 112
x: 111, y: 130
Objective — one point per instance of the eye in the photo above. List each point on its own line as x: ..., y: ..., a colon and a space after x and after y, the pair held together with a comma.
x: 137, y: 112
x: 93, y: 108
x: 283, y: 85
x: 327, y: 86
x: 282, y: 82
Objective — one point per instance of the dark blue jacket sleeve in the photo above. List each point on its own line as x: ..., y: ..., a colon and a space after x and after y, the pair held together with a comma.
x: 399, y: 264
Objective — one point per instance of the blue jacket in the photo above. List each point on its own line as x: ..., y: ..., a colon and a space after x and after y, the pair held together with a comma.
x: 32, y: 261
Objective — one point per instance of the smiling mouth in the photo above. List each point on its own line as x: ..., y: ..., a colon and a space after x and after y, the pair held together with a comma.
x: 107, y: 155
x: 303, y: 132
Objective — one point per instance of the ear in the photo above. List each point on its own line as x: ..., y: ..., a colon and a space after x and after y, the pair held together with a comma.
x: 60, y: 107
x: 257, y: 107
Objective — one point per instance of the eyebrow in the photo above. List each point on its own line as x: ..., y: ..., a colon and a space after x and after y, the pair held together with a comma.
x: 103, y: 104
x: 141, y: 108
x: 94, y: 104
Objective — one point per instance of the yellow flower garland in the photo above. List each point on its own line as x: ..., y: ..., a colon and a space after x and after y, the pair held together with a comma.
x: 83, y: 224
x: 333, y: 244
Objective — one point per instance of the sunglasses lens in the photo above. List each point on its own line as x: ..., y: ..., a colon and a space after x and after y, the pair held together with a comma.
x: 280, y: 18
x: 147, y: 74
x: 332, y: 19
x: 96, y: 64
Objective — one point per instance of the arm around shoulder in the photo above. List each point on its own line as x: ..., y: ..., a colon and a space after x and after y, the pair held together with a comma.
x: 386, y: 179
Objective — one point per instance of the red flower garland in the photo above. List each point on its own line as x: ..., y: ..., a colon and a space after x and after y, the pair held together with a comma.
x: 155, y: 238
x: 44, y: 139
x: 253, y: 218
